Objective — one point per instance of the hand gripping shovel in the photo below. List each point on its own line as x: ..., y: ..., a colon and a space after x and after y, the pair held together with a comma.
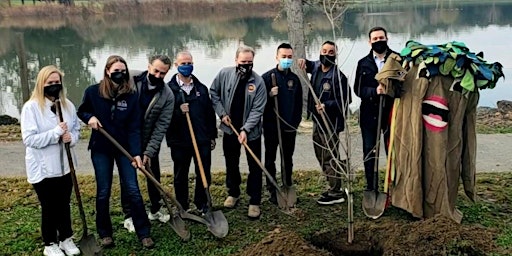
x: 218, y: 224
x: 176, y: 222
x: 374, y: 203
x: 282, y: 200
x: 287, y: 189
x: 88, y: 245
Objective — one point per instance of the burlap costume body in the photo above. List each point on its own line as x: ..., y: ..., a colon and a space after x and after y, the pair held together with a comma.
x: 434, y: 143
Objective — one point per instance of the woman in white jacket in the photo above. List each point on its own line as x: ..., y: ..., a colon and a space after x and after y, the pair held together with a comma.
x: 46, y: 160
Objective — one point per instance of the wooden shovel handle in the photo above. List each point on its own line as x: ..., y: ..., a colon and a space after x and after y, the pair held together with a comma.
x: 73, y: 173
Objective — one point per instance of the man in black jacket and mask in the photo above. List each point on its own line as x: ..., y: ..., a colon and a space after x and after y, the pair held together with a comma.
x: 369, y: 90
x: 192, y: 97
x: 333, y: 92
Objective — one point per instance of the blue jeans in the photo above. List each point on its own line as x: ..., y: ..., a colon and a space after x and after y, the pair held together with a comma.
x: 103, y: 168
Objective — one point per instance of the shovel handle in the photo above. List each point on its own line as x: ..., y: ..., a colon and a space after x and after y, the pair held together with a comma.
x: 72, y: 172
x: 194, y: 143
x: 272, y: 180
x: 279, y: 135
x: 377, y: 144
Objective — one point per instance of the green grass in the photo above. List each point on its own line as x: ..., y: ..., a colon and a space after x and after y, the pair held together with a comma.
x: 20, y: 213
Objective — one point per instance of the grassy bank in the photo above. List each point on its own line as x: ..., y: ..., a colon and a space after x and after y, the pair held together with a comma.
x: 486, y: 228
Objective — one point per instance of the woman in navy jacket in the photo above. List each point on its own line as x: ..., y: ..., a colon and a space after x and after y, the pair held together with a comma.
x: 112, y: 104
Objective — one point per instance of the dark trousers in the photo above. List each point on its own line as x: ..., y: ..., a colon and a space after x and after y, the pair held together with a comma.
x: 272, y: 149
x: 181, y: 156
x: 328, y: 158
x: 231, y: 148
x: 154, y: 193
x: 103, y: 168
x: 54, y: 194
x: 369, y: 134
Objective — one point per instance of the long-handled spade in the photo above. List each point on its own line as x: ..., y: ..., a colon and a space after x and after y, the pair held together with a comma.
x: 87, y: 244
x: 218, y: 223
x: 179, y: 226
x: 282, y: 200
x: 287, y: 189
x: 374, y: 203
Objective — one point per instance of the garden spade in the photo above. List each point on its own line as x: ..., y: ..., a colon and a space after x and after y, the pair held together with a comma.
x: 288, y: 190
x: 282, y: 200
x: 218, y: 224
x: 176, y: 222
x: 374, y: 202
x: 88, y: 245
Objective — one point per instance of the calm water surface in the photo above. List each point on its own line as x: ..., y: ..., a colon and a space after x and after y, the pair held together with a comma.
x: 80, y: 50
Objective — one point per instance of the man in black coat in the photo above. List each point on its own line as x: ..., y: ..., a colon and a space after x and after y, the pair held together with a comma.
x: 370, y: 91
x: 156, y: 103
x: 191, y: 97
x: 288, y: 90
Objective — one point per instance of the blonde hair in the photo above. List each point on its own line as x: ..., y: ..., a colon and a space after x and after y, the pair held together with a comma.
x: 244, y: 48
x: 38, y: 92
x: 107, y: 85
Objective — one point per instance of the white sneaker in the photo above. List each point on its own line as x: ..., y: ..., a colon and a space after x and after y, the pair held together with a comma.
x: 161, y: 216
x: 69, y: 247
x: 128, y: 224
x: 53, y: 250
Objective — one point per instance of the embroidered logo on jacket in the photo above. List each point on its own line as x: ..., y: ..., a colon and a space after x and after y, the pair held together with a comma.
x: 122, y: 105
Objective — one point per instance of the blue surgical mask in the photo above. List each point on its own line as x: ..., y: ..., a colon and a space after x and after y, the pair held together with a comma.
x: 285, y: 63
x: 186, y: 70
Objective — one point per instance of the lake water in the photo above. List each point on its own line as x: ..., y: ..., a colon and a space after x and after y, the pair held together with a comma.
x: 80, y: 50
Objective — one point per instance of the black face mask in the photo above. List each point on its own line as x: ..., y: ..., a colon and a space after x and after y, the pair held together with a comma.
x: 53, y: 90
x: 327, y: 60
x: 118, y: 77
x: 244, y: 70
x: 154, y: 80
x: 380, y: 47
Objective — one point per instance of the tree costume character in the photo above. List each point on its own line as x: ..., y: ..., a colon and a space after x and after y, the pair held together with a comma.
x: 434, y: 125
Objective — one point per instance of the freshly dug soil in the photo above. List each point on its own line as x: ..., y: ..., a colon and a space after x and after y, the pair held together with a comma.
x: 385, y: 237
x: 283, y: 244
x: 435, y: 236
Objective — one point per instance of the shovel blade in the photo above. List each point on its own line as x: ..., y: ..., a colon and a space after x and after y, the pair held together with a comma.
x: 217, y: 223
x: 374, y: 204
x: 89, y: 247
x: 178, y: 225
x: 290, y: 195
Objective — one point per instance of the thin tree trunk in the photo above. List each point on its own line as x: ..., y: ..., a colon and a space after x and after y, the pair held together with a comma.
x: 295, y: 20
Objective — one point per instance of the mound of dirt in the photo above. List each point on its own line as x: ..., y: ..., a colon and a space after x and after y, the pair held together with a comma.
x: 434, y: 236
x: 283, y: 244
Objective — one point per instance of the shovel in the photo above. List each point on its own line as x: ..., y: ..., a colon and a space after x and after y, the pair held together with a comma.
x: 181, y: 211
x: 287, y: 189
x: 218, y: 223
x: 282, y: 200
x: 374, y: 203
x: 88, y: 245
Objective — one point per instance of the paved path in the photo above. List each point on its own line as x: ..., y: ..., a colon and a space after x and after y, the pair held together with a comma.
x: 494, y: 155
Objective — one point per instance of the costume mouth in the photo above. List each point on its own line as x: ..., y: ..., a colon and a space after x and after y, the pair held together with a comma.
x: 435, y: 113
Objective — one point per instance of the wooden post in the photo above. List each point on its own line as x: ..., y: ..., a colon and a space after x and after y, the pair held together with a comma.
x: 22, y: 58
x: 9, y: 2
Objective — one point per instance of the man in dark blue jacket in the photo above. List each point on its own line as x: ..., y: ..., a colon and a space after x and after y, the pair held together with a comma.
x: 288, y: 90
x: 331, y: 87
x: 156, y: 103
x: 193, y: 97
x: 369, y: 90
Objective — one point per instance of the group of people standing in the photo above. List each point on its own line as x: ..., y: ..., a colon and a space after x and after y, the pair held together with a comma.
x: 139, y: 109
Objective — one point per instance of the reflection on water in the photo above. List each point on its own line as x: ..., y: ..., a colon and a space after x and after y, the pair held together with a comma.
x: 81, y: 48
